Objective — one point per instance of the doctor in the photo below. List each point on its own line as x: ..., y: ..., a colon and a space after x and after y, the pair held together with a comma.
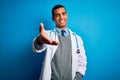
x: 65, y: 57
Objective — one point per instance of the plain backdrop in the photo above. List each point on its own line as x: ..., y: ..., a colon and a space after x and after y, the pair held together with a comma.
x: 96, y: 21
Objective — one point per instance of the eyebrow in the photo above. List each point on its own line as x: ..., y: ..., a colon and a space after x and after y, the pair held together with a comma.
x: 64, y: 12
x: 59, y: 13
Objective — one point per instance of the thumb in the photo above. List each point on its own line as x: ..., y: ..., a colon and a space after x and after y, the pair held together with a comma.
x: 41, y: 27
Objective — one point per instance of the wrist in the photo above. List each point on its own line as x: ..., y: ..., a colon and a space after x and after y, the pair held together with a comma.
x: 39, y: 40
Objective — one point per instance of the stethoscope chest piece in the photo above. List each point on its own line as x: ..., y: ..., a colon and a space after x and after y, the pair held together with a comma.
x: 78, y: 51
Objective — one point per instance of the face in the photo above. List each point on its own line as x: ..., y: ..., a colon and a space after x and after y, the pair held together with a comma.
x: 60, y: 17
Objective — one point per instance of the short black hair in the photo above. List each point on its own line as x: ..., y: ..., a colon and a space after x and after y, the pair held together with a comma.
x: 56, y: 7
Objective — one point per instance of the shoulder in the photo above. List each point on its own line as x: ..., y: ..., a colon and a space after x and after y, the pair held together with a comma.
x: 78, y: 37
x: 50, y: 33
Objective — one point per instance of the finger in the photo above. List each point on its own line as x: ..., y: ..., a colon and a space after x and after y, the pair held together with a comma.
x: 41, y: 26
x: 47, y: 41
x: 55, y: 43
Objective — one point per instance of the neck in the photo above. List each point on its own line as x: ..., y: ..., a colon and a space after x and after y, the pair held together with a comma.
x: 62, y: 28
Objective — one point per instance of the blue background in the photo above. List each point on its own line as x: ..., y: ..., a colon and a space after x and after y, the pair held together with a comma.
x: 97, y: 21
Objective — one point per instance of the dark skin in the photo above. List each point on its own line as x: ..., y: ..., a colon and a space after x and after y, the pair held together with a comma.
x: 43, y: 37
x: 60, y: 18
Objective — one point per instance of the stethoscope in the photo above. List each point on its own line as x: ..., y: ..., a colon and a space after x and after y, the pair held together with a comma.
x: 77, y: 46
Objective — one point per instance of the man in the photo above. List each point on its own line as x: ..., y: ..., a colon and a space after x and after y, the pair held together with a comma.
x: 65, y: 57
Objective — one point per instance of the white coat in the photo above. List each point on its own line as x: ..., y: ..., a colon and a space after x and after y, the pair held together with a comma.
x: 78, y: 60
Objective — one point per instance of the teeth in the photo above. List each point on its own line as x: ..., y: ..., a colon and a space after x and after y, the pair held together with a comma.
x: 62, y: 21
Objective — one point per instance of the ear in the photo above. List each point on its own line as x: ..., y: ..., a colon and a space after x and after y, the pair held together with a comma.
x: 67, y: 15
x: 52, y: 18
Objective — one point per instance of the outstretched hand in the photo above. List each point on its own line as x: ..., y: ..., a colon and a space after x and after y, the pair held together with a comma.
x: 43, y: 38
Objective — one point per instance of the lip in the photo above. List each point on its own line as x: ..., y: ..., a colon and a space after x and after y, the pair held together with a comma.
x: 61, y: 21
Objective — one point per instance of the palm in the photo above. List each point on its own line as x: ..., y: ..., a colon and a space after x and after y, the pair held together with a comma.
x: 44, y: 38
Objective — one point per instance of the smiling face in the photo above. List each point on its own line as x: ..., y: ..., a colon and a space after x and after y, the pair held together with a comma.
x: 60, y: 17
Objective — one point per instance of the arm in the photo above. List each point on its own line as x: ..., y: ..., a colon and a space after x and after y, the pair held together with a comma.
x: 82, y: 59
x: 78, y: 76
x: 39, y: 42
x: 37, y: 46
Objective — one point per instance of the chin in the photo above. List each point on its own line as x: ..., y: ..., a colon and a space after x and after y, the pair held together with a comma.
x: 61, y: 26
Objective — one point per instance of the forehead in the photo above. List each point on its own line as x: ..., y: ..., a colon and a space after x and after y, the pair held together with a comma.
x: 59, y: 10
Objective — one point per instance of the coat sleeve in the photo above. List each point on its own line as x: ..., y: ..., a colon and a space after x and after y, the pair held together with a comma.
x: 82, y: 59
x: 38, y: 48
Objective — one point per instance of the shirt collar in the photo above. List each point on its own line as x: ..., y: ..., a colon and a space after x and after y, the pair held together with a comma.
x: 59, y: 31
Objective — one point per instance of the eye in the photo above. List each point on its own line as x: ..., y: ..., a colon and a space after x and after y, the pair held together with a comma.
x: 56, y: 15
x: 64, y: 13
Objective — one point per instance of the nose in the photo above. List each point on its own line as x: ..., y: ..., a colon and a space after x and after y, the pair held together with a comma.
x: 61, y: 16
